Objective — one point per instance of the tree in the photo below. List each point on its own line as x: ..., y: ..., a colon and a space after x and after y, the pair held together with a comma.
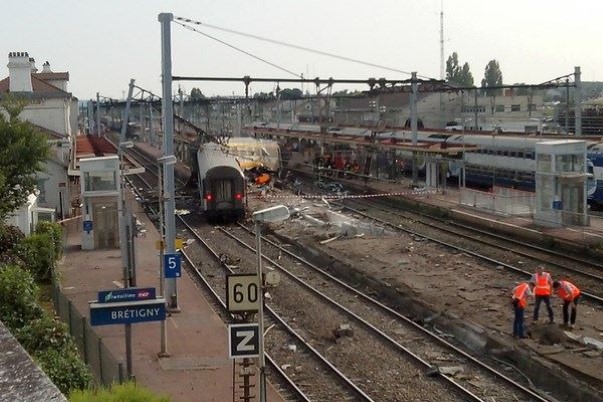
x: 456, y: 74
x: 521, y: 91
x: 492, y: 78
x: 291, y: 93
x: 197, y: 94
x: 23, y: 150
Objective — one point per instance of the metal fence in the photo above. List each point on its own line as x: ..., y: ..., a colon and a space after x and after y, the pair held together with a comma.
x: 105, y: 367
x: 501, y: 200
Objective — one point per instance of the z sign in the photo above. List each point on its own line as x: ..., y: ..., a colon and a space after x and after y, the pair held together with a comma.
x: 243, y: 340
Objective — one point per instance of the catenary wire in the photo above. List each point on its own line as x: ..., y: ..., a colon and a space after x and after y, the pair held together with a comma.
x: 306, y: 49
x: 238, y: 49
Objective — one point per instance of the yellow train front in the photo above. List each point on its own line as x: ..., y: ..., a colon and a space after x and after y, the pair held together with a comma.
x: 221, y: 184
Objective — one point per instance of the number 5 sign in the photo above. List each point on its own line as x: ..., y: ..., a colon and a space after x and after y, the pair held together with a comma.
x: 171, y: 265
x: 242, y: 293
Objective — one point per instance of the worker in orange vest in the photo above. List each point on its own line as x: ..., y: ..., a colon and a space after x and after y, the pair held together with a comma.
x: 542, y: 291
x: 519, y: 300
x: 570, y: 294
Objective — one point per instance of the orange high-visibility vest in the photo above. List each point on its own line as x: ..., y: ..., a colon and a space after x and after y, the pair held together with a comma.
x: 521, y: 293
x: 568, y: 291
x: 543, y: 284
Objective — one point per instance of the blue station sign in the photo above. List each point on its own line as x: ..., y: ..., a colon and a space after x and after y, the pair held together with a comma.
x: 172, y: 264
x: 126, y: 295
x: 127, y: 312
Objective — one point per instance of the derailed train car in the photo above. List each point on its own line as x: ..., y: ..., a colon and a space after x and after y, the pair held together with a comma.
x: 221, y: 184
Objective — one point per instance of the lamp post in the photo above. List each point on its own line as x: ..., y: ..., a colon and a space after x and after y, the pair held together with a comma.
x: 164, y: 160
x: 273, y: 214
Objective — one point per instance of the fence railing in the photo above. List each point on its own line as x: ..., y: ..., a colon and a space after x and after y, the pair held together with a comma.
x: 105, y: 367
x: 500, y: 200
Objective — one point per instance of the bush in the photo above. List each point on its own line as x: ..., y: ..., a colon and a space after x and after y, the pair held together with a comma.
x: 128, y: 392
x: 65, y: 369
x: 38, y: 253
x: 55, y: 232
x: 18, y: 297
x: 10, y: 237
x: 45, y: 333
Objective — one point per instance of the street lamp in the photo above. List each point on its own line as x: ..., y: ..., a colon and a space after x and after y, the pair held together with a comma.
x: 164, y: 160
x: 272, y: 214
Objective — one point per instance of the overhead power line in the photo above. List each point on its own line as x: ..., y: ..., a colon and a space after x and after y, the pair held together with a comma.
x: 238, y: 49
x: 306, y: 49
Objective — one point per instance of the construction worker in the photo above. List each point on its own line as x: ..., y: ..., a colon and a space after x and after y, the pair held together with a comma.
x: 570, y: 294
x: 519, y: 300
x: 542, y: 291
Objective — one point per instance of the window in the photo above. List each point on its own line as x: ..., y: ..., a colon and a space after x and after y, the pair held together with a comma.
x: 100, y: 181
x: 516, y: 108
x: 42, y: 190
x: 500, y: 108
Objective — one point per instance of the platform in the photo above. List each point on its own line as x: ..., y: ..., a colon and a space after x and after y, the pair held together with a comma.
x: 199, y: 368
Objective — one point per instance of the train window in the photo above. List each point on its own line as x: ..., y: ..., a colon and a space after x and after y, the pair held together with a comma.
x: 505, y: 153
x: 500, y: 108
x: 513, y: 154
x: 223, y: 190
x: 516, y: 108
x: 529, y: 155
x: 520, y: 154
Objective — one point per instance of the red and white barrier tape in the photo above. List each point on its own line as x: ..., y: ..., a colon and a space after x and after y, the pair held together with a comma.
x: 340, y: 197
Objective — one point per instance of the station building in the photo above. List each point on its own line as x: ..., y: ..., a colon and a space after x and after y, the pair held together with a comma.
x: 53, y: 110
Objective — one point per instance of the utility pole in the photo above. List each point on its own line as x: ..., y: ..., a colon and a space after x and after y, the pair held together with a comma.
x: 168, y: 150
x: 567, y: 106
x: 413, y: 125
x: 90, y: 117
x: 98, y: 120
x: 151, y: 126
x: 578, y: 102
x: 125, y: 226
x: 442, y: 122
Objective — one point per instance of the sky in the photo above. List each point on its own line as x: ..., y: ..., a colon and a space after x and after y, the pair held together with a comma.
x: 104, y: 43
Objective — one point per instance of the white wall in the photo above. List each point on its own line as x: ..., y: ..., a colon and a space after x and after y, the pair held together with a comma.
x: 52, y: 192
x: 53, y: 114
x: 22, y: 218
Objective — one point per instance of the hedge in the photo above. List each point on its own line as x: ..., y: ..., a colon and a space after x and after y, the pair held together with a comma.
x: 18, y: 297
x: 128, y: 392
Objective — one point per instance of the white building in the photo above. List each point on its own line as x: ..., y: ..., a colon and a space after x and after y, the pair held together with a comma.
x: 54, y: 111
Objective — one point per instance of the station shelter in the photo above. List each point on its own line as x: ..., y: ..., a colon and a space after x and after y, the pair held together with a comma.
x: 100, y: 178
x: 561, y: 183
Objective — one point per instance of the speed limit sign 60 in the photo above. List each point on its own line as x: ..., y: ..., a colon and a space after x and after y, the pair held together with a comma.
x: 242, y: 293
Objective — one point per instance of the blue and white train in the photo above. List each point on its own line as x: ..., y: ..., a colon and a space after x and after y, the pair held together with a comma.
x: 497, y: 160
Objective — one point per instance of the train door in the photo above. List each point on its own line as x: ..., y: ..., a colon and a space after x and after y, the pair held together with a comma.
x: 223, y: 190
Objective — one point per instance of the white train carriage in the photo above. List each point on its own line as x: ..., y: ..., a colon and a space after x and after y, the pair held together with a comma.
x: 221, y: 184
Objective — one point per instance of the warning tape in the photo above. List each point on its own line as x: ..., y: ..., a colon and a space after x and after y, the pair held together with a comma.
x: 340, y: 197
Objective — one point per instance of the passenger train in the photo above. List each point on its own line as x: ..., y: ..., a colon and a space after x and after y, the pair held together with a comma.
x: 221, y: 184
x: 495, y: 160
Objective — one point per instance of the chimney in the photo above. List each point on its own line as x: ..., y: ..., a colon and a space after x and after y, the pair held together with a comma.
x: 19, y: 72
x: 32, y: 63
x: 46, y: 67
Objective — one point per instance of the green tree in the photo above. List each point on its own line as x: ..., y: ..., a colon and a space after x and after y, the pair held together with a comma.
x: 521, y: 91
x: 197, y: 94
x: 23, y: 150
x: 291, y: 93
x: 492, y: 78
x: 457, y: 74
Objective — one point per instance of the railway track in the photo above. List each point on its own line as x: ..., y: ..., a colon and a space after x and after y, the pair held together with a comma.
x: 401, y: 336
x: 393, y: 333
x: 319, y: 380
x: 492, y: 248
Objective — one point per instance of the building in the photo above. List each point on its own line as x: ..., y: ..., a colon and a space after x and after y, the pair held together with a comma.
x: 53, y: 110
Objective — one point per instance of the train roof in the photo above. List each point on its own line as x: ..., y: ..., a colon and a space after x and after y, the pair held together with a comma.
x: 212, y: 157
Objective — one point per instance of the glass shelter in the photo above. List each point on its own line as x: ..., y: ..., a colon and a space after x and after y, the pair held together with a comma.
x: 561, y: 178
